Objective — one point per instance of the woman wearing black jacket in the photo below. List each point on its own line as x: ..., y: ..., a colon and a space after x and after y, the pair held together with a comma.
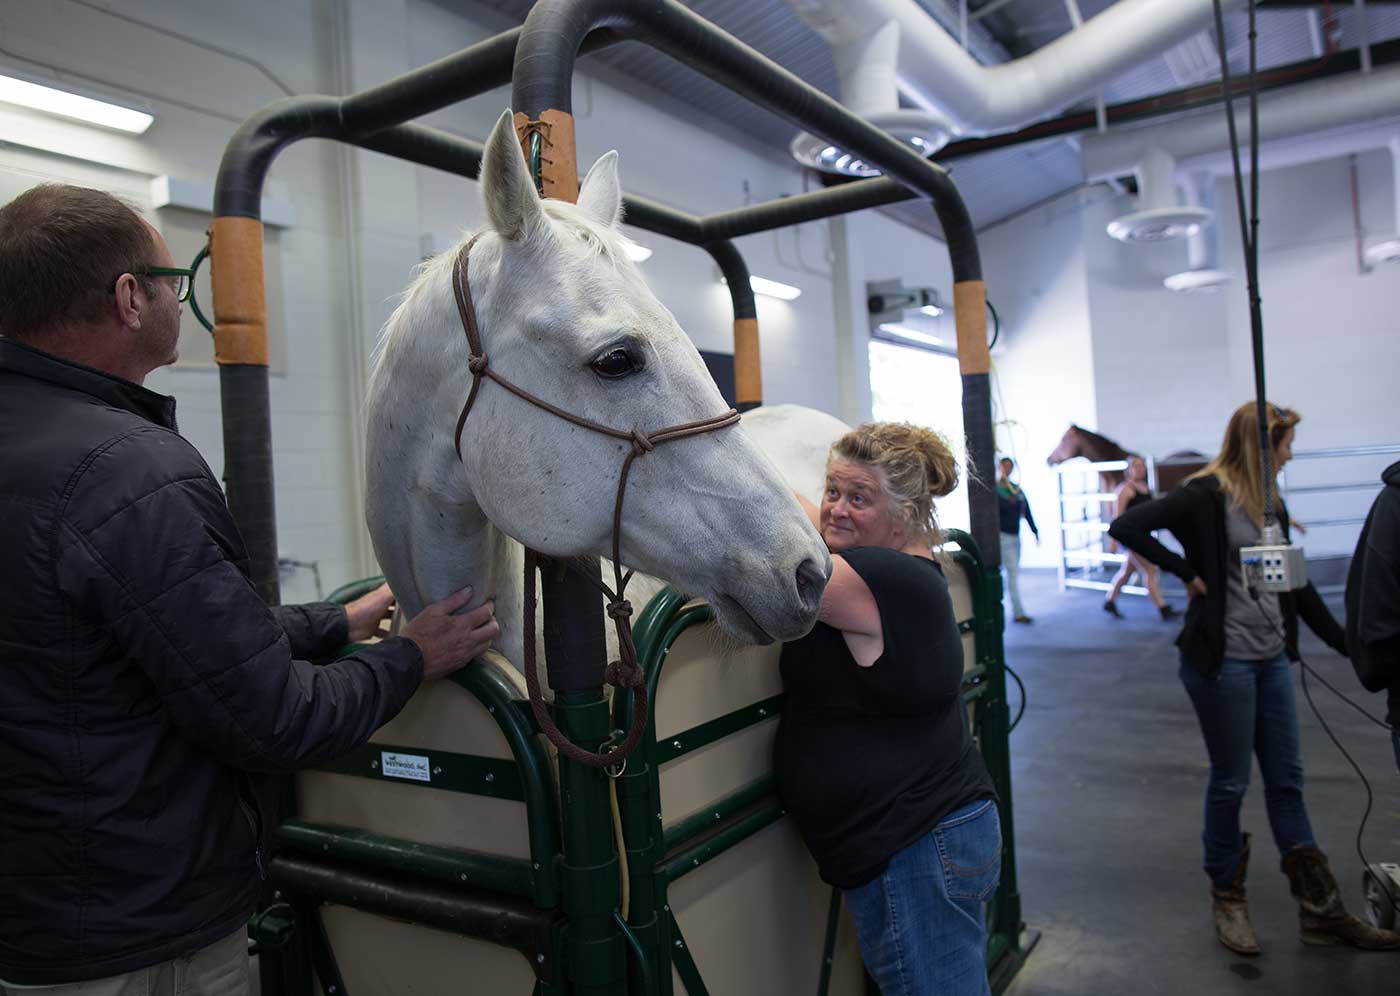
x: 1236, y: 646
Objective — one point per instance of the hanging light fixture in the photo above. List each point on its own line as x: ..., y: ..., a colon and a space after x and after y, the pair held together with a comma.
x: 73, y: 106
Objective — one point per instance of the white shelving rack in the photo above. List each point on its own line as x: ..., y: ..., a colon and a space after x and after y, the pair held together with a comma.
x: 1085, y: 512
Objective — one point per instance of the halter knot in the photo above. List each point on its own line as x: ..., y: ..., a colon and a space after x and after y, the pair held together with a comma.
x: 641, y: 443
x: 620, y: 609
x: 624, y: 675
x: 477, y: 364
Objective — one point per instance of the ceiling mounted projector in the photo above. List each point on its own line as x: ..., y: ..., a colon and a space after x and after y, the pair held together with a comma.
x: 1159, y: 224
x: 1189, y: 281
x: 1383, y: 252
x: 922, y: 132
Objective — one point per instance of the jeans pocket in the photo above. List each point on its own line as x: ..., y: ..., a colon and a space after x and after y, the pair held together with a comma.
x: 969, y: 845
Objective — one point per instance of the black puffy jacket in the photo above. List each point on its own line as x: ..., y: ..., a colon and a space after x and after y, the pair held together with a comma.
x: 1195, y: 515
x: 145, y: 689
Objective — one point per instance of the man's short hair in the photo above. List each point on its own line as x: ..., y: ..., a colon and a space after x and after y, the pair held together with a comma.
x: 62, y: 249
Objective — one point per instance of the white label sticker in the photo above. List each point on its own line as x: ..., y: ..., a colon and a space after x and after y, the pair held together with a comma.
x: 414, y: 766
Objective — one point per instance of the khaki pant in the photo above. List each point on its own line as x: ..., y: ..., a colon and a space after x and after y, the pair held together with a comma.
x: 221, y: 969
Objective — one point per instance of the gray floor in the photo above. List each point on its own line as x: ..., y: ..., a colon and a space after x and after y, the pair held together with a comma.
x: 1109, y: 776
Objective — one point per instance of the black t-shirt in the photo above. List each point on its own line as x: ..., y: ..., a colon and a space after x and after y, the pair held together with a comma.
x: 869, y: 759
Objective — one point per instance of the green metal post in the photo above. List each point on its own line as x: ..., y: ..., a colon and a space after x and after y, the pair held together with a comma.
x: 284, y: 959
x: 996, y: 734
x: 596, y: 950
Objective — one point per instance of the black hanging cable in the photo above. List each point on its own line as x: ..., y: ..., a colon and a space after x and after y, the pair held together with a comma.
x: 1365, y: 782
x: 1249, y: 235
x: 1022, y: 686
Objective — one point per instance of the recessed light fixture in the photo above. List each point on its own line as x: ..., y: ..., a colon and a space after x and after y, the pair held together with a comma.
x: 907, y: 333
x: 636, y: 252
x: 64, y: 104
x: 771, y: 288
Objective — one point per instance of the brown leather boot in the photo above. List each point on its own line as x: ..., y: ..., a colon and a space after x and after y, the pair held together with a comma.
x: 1232, y: 926
x: 1322, y: 918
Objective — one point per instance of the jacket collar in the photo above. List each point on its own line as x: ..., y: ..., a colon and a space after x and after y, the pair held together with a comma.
x: 17, y: 358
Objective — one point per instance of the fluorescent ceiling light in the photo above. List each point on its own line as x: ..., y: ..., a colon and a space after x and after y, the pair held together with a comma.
x: 71, y: 105
x: 911, y: 334
x: 636, y: 252
x: 771, y: 288
x: 932, y: 310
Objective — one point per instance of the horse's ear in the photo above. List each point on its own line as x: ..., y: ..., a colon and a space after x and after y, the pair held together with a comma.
x: 507, y: 191
x: 601, y: 194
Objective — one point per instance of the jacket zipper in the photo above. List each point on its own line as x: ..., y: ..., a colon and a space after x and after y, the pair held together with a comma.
x: 254, y: 824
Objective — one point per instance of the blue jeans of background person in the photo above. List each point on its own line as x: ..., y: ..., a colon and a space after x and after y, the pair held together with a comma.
x: 921, y: 925
x: 1249, y: 709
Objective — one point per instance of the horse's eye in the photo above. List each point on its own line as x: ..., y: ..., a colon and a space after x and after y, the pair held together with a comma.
x: 615, y: 363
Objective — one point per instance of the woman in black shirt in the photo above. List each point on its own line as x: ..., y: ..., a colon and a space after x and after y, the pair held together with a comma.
x: 1132, y: 493
x: 1236, y: 646
x: 874, y: 759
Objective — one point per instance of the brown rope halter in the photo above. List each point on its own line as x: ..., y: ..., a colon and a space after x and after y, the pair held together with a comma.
x: 623, y: 672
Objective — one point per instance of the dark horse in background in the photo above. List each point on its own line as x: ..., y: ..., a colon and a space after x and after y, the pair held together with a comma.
x: 1171, y: 470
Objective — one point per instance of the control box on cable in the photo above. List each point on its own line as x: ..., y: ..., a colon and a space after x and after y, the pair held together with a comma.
x: 1273, y: 565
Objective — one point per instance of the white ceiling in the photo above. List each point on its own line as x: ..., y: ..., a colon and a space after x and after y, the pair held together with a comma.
x: 1001, y: 183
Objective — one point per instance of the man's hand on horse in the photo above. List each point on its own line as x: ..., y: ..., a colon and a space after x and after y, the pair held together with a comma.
x: 449, y: 641
x: 1196, y: 588
x: 368, y: 615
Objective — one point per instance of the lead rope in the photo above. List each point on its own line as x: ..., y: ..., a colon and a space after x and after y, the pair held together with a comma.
x: 624, y: 672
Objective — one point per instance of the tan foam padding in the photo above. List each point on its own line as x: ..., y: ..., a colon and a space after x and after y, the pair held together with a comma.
x: 558, y: 156
x: 440, y: 716
x: 775, y: 946
x: 970, y: 313
x: 240, y: 300
x: 748, y: 371
x: 754, y: 917
x: 381, y: 957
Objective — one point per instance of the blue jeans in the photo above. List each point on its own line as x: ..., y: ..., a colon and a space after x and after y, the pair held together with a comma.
x: 921, y: 925
x: 1248, y: 708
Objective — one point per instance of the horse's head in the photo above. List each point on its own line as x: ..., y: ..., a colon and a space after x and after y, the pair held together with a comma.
x: 565, y: 315
x: 1070, y: 446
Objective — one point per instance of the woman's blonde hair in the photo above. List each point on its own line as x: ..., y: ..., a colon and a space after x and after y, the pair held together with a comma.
x: 1237, y: 466
x: 916, y: 464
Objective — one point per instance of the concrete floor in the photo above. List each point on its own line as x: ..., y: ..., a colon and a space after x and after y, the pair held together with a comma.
x: 1109, y: 779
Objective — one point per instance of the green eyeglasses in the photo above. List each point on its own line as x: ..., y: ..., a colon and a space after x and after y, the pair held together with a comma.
x: 183, y: 278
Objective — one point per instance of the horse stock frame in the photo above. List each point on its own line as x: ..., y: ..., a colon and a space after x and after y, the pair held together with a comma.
x: 538, y: 60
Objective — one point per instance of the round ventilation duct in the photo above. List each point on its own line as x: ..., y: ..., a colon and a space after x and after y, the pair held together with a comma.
x: 865, y: 62
x: 1196, y: 281
x: 1159, y: 217
x: 1389, y: 250
x: 1203, y: 248
x: 922, y: 132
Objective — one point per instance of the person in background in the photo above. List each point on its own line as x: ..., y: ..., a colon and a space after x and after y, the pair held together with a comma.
x: 1132, y: 493
x: 1373, y: 601
x: 1236, y: 644
x: 1012, y: 508
x: 874, y: 759
x: 146, y: 690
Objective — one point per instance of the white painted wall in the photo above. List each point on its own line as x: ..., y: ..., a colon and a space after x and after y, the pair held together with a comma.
x: 1332, y: 332
x: 1043, y: 365
x: 1161, y: 358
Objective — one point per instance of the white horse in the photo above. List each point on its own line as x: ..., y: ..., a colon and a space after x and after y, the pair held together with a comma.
x: 565, y: 315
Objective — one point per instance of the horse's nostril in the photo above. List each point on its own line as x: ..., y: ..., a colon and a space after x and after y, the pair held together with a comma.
x: 811, y: 581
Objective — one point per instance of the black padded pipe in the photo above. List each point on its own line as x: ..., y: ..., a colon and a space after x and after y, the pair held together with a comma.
x: 505, y: 920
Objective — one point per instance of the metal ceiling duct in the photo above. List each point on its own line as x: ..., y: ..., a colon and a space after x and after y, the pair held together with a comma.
x: 1159, y: 217
x: 1203, y: 271
x: 967, y: 98
x: 1389, y: 250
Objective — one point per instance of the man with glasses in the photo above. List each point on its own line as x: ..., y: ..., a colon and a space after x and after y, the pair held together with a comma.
x: 146, y: 692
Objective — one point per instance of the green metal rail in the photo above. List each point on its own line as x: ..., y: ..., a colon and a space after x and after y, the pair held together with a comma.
x: 648, y: 945
x: 658, y: 856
